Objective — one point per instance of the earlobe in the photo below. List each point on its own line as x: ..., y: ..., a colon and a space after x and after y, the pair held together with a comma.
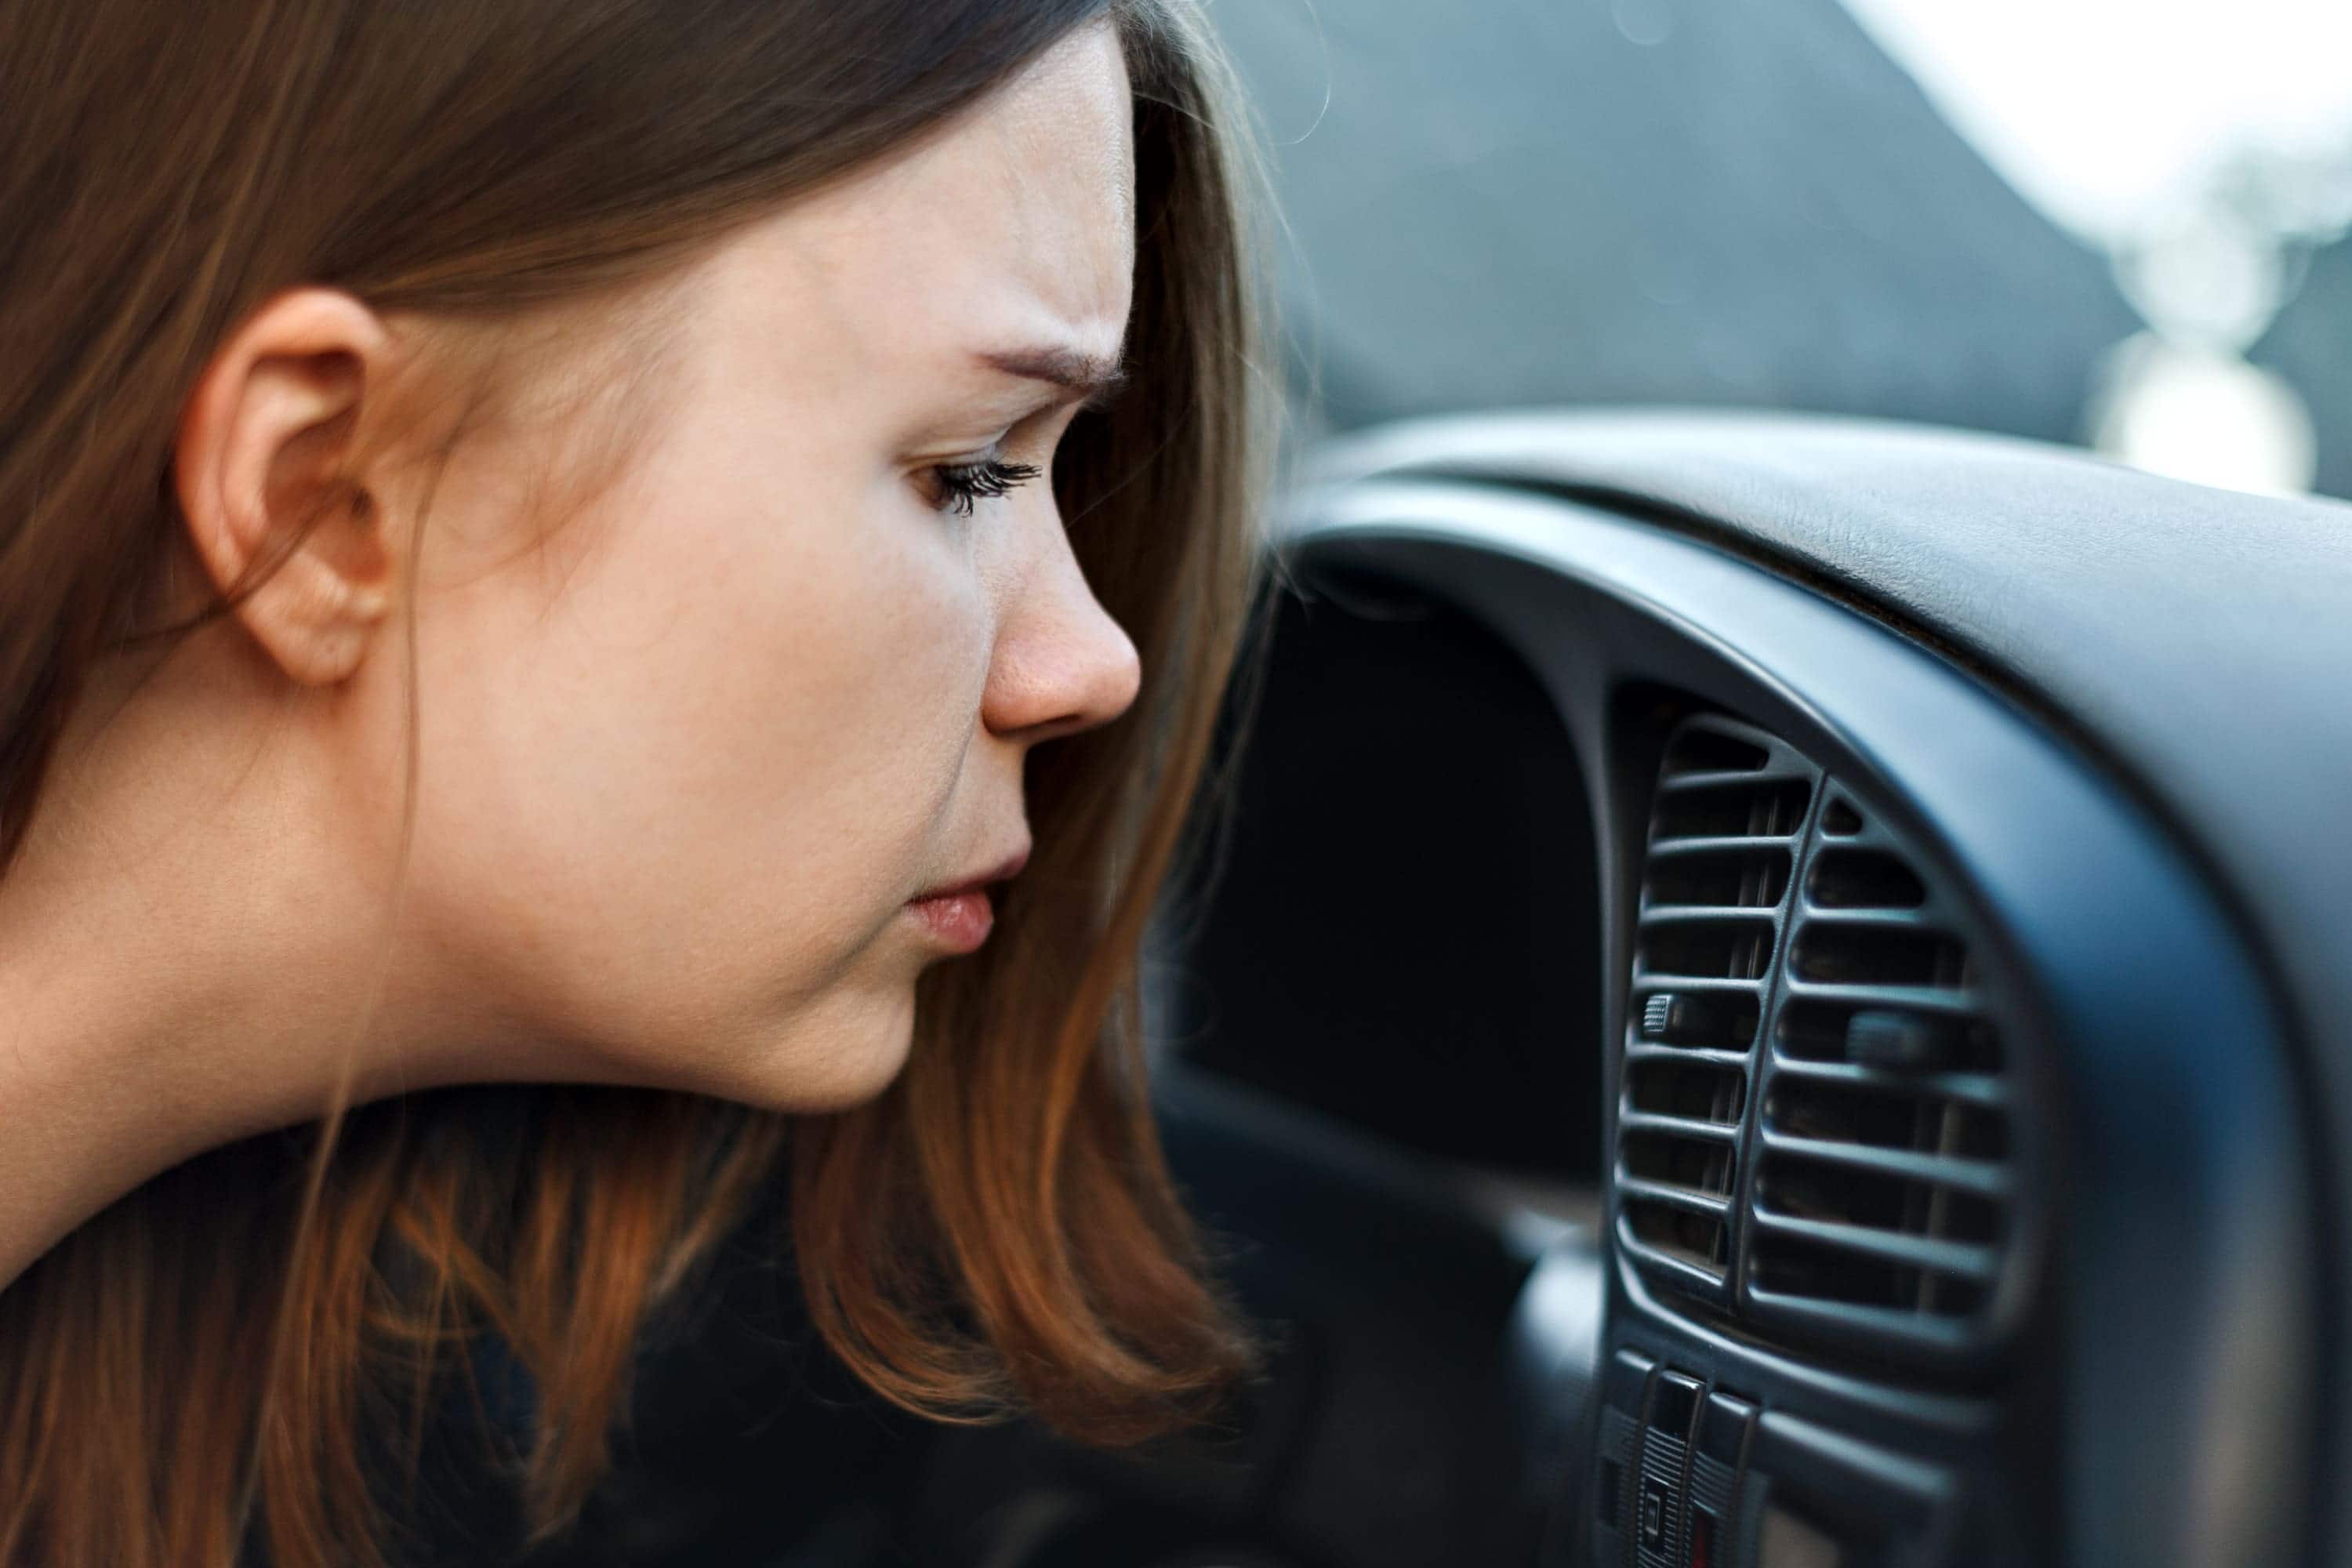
x: 269, y: 467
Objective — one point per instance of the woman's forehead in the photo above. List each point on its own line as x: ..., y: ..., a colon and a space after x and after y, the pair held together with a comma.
x: 1013, y: 223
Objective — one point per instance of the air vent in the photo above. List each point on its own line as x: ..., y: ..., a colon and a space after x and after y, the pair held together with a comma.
x: 1729, y: 811
x: 1879, y: 1204
x: 1814, y: 1125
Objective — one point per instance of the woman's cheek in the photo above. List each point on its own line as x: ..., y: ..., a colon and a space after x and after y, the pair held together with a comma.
x: 851, y: 723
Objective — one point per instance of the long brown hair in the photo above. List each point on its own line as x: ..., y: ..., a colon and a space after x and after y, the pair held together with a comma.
x: 210, y: 1355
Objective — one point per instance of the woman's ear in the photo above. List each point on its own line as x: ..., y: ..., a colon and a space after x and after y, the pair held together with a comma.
x: 269, y: 468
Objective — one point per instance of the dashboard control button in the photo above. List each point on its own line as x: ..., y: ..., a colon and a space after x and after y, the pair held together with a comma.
x: 1723, y: 1429
x: 1623, y: 1381
x: 1676, y: 1405
x: 1675, y: 1401
x: 1676, y: 1019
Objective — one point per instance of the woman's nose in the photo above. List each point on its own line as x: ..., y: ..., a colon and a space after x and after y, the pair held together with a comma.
x: 1062, y: 664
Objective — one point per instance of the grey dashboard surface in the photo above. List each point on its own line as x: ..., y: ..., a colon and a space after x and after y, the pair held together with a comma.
x: 2199, y: 640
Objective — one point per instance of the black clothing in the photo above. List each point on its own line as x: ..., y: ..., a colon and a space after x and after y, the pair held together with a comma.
x: 749, y: 1444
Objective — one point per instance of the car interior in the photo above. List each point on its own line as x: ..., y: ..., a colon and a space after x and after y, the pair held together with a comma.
x: 1764, y: 1007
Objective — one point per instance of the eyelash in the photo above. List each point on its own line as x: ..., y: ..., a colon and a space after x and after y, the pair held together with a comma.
x: 964, y: 485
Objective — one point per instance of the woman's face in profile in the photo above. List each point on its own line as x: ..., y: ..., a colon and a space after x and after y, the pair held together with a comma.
x: 535, y: 559
x: 687, y: 755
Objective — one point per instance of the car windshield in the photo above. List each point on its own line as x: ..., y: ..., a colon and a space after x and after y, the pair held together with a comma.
x: 2100, y: 222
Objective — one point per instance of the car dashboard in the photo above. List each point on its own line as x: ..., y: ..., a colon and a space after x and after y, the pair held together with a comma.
x: 1957, y: 1174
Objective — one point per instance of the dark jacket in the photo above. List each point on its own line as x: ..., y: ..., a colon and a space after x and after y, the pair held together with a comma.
x: 748, y: 1445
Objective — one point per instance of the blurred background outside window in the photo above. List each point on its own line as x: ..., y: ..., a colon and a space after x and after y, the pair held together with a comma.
x: 2117, y: 223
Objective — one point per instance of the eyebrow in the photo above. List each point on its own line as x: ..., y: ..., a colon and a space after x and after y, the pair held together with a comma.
x: 1090, y: 378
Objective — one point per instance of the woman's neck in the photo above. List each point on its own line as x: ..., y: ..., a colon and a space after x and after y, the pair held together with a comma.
x: 186, y: 957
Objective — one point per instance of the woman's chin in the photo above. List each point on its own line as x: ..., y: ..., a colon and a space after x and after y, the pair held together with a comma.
x: 836, y: 1060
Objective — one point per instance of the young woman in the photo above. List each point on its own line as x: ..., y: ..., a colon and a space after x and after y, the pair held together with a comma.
x: 684, y: 552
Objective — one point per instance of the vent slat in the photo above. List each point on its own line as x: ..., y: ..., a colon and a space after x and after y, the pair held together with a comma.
x: 1960, y: 1260
x: 1975, y: 1088
x: 1888, y: 1115
x: 1712, y: 750
x: 1722, y: 946
x: 1696, y: 1247
x: 1985, y: 1177
x: 1845, y: 1322
x: 1637, y: 1054
x: 1861, y: 920
x: 1917, y: 998
x: 1630, y: 1121
x: 1863, y: 879
x: 1809, y: 1032
x: 1673, y: 1196
x: 1713, y: 983
x: 1675, y: 783
x: 1658, y: 915
x: 1751, y: 808
x: 1687, y: 1089
x: 1892, y: 950
x: 1794, y: 1267
x: 1665, y: 851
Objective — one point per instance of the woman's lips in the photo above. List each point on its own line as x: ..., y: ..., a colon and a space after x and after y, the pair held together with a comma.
x: 959, y: 915
x: 957, y: 921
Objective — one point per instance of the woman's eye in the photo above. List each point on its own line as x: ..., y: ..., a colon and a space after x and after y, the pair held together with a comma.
x: 962, y: 486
